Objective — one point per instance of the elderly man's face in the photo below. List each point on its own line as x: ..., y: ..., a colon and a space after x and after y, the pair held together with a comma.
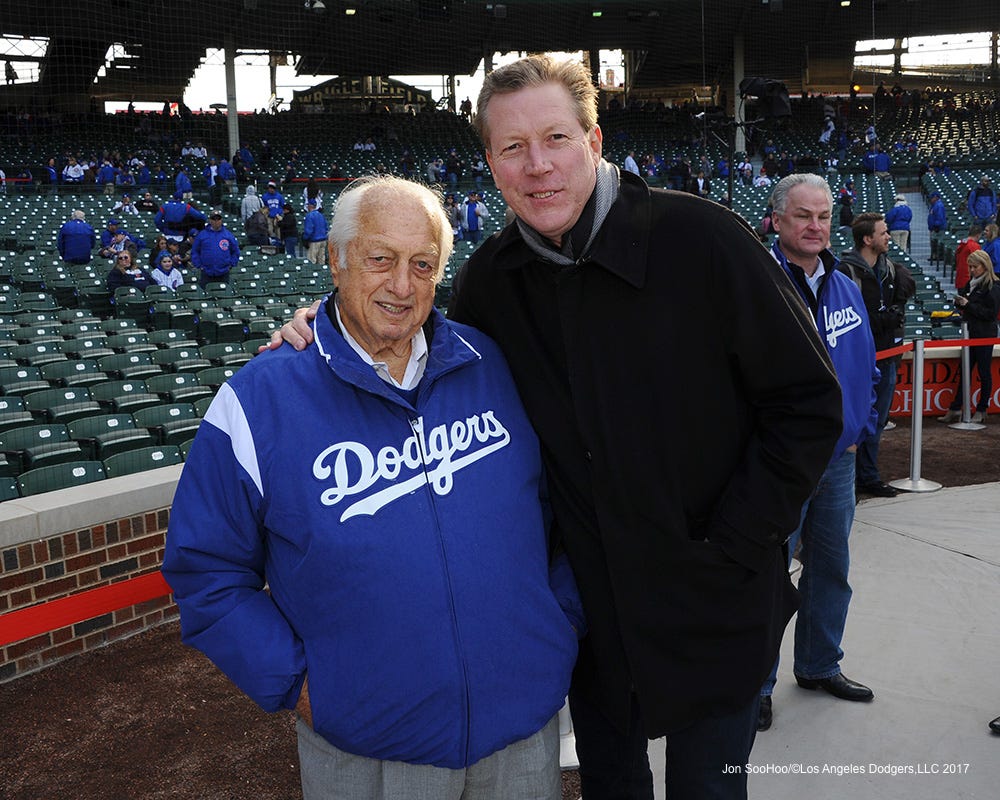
x: 542, y: 159
x: 387, y: 291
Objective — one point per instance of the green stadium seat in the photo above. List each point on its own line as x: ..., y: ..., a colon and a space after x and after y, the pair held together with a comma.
x: 74, y: 373
x: 179, y: 387
x: 38, y: 445
x: 59, y: 476
x: 104, y: 435
x: 129, y: 366
x: 141, y: 459
x: 61, y: 405
x: 171, y: 424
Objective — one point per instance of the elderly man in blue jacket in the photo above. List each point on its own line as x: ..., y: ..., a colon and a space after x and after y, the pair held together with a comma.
x: 215, y: 251
x: 412, y: 616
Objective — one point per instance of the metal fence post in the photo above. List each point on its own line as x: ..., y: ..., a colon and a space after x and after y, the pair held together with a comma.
x: 915, y: 483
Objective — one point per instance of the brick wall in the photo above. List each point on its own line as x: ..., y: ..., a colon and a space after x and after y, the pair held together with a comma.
x: 73, y: 561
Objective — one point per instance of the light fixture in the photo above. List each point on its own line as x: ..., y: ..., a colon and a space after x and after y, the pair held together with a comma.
x: 350, y: 12
x: 315, y: 5
x: 596, y: 12
x: 845, y: 3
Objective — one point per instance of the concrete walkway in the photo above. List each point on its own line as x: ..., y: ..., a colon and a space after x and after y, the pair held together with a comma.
x: 924, y: 633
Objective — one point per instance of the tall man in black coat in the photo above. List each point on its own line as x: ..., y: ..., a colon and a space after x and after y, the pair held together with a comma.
x: 610, y: 300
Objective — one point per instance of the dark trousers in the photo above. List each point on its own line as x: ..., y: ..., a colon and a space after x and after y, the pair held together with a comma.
x: 705, y: 761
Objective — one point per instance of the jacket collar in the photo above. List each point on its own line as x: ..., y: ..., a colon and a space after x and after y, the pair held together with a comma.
x: 447, y: 351
x: 621, y: 246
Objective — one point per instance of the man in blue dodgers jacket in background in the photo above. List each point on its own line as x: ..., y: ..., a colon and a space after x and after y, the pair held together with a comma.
x: 413, y: 619
x: 803, y: 208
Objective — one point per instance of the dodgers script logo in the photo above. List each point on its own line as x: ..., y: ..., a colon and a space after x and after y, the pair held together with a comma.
x: 840, y: 322
x: 355, y: 469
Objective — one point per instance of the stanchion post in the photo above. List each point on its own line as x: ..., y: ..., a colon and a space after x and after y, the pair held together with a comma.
x: 966, y: 424
x: 915, y: 483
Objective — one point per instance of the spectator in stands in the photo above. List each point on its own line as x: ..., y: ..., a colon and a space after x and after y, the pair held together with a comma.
x: 115, y: 239
x: 967, y: 246
x: 182, y: 184
x: 745, y: 172
x: 251, y: 203
x: 992, y: 245
x: 211, y: 175
x: 803, y: 208
x: 453, y: 167
x: 107, y: 176
x: 982, y: 203
x: 125, y: 206
x: 454, y: 212
x: 126, y: 273
x: 630, y: 163
x: 314, y: 193
x: 76, y: 239
x: 827, y: 133
x: 158, y: 250
x: 52, y: 174
x: 314, y: 233
x: 165, y: 274
x: 125, y: 177
x: 289, y: 177
x: 73, y: 172
x: 176, y: 216
x: 381, y: 603
x: 215, y: 251
x: 273, y: 202
x: 336, y: 173
x: 474, y: 213
x: 288, y: 230
x: 478, y: 171
x: 3, y: 181
x: 898, y: 220
x: 979, y: 303
x: 256, y: 228
x: 142, y: 175
x: 146, y: 203
x: 937, y: 217
x: 877, y: 162
x: 700, y: 185
x: 246, y: 157
x: 629, y: 509
x: 227, y: 175
x: 9, y: 72
x: 885, y: 287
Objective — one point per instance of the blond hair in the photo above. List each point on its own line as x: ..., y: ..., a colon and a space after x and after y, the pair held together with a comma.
x: 538, y: 70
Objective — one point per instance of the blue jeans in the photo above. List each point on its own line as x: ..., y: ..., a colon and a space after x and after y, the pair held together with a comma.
x: 824, y: 529
x: 291, y: 245
x: 615, y: 765
x: 867, y: 459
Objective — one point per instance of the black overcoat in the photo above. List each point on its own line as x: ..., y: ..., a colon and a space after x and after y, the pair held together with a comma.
x: 686, y: 409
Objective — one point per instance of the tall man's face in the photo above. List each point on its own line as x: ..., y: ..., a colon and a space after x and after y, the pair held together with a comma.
x: 542, y: 159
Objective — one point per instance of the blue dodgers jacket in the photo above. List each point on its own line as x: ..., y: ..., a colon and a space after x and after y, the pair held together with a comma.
x: 843, y: 326
x: 402, y: 544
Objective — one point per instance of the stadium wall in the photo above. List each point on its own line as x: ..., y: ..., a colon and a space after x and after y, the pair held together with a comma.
x: 63, y: 543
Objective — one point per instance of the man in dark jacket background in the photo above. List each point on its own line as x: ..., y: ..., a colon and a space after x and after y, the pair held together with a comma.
x: 885, y: 287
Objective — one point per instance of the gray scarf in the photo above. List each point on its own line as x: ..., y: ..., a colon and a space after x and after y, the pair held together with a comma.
x: 976, y: 282
x: 606, y: 192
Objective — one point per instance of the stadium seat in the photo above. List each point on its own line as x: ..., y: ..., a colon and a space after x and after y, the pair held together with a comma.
x: 179, y: 387
x: 141, y: 459
x: 8, y: 488
x: 59, y: 476
x: 74, y: 373
x: 129, y: 366
x: 38, y: 445
x: 171, y: 424
x: 124, y: 396
x: 61, y: 405
x: 104, y: 435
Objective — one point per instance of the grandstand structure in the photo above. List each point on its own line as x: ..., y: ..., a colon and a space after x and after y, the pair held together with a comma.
x: 97, y: 389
